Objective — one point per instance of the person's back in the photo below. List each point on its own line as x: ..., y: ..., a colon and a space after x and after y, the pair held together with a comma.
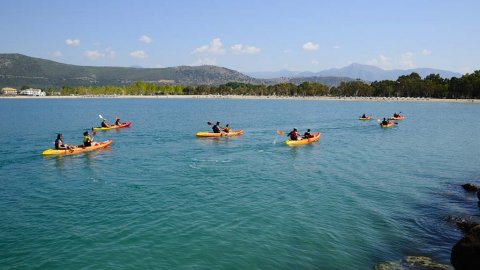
x: 307, y: 134
x: 216, y: 128
x: 293, y: 135
x: 58, y: 143
x: 226, y: 129
x: 384, y: 122
x: 364, y: 116
x: 117, y: 122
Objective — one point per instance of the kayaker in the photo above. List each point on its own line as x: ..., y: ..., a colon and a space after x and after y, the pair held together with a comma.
x: 104, y: 123
x: 385, y: 122
x: 216, y: 128
x: 117, y: 122
x: 307, y: 134
x: 226, y: 129
x: 396, y: 115
x: 59, y: 145
x: 364, y: 116
x: 87, y: 140
x: 293, y: 134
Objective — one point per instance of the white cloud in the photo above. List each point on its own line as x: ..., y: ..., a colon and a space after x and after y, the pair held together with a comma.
x: 336, y: 47
x: 239, y: 48
x: 96, y: 54
x: 205, y: 61
x: 145, y: 39
x: 57, y: 54
x: 93, y: 55
x: 315, y: 62
x: 309, y: 46
x: 72, y: 42
x: 406, y: 60
x: 382, y: 61
x: 215, y: 47
x: 138, y: 54
x: 426, y: 52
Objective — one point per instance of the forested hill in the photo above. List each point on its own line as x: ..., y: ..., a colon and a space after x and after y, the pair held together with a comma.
x: 17, y: 70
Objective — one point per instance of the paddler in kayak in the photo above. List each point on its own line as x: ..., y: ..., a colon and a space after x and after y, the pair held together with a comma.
x: 87, y: 140
x: 293, y: 134
x: 216, y: 128
x: 396, y: 115
x: 307, y: 135
x: 364, y: 116
x: 385, y: 122
x: 59, y: 145
x: 226, y: 129
x: 104, y: 123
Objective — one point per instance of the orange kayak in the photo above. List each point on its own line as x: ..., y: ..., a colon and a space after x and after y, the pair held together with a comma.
x: 78, y: 149
x: 387, y: 125
x: 315, y: 138
x: 397, y: 118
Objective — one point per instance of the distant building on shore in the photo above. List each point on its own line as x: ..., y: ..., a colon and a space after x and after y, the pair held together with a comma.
x: 32, y: 92
x: 9, y: 91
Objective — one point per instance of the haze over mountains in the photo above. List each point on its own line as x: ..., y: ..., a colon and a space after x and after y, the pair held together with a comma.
x: 18, y: 70
x: 356, y: 71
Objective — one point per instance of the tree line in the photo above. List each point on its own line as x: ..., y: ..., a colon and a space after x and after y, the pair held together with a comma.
x: 432, y: 86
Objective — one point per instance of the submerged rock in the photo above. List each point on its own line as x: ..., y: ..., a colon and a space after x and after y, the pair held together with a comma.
x: 470, y: 187
x: 413, y: 263
x: 466, y: 253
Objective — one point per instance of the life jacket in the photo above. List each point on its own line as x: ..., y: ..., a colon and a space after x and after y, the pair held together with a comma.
x: 226, y: 130
x: 87, y: 141
x: 293, y: 135
x: 216, y: 129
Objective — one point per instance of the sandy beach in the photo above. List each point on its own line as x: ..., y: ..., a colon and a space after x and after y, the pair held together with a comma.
x: 373, y: 99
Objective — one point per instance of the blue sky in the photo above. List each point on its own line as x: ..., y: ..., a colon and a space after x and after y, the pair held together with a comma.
x: 246, y: 35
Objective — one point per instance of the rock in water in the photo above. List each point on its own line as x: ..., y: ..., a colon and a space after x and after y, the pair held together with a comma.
x: 466, y: 253
x: 412, y: 263
x: 470, y: 187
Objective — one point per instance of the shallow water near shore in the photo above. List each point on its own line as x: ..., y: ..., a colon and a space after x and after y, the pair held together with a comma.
x: 161, y: 198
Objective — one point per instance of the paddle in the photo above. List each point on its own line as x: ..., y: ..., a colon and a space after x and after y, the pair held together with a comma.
x: 280, y: 132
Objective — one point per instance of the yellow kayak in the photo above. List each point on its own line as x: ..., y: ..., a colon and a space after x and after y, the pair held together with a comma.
x: 366, y: 118
x: 223, y: 134
x: 315, y: 138
x: 397, y: 118
x: 389, y: 125
x: 124, y: 125
x: 78, y: 149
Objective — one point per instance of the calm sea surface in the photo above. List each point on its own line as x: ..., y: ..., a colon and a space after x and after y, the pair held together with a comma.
x: 160, y: 198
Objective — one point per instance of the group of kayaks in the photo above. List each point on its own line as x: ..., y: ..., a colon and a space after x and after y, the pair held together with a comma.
x: 95, y: 145
x: 201, y: 134
x: 204, y: 134
x: 389, y: 124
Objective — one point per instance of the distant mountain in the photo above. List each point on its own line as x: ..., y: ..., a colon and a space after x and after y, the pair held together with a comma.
x: 363, y: 72
x: 17, y: 70
x: 274, y: 74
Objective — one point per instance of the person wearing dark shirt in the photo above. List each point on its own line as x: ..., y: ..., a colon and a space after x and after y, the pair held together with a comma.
x: 293, y: 134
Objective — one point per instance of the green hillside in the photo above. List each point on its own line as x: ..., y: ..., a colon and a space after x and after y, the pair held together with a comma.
x: 17, y: 70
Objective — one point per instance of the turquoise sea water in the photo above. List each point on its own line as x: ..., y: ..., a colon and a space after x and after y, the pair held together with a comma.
x: 160, y: 198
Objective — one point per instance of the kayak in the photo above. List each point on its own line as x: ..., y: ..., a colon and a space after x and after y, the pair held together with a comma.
x: 397, y: 118
x: 78, y: 149
x: 367, y: 118
x: 124, y: 125
x: 223, y: 134
x: 315, y: 138
x: 386, y: 126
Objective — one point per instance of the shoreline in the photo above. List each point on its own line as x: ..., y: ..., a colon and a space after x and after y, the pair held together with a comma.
x: 373, y: 99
